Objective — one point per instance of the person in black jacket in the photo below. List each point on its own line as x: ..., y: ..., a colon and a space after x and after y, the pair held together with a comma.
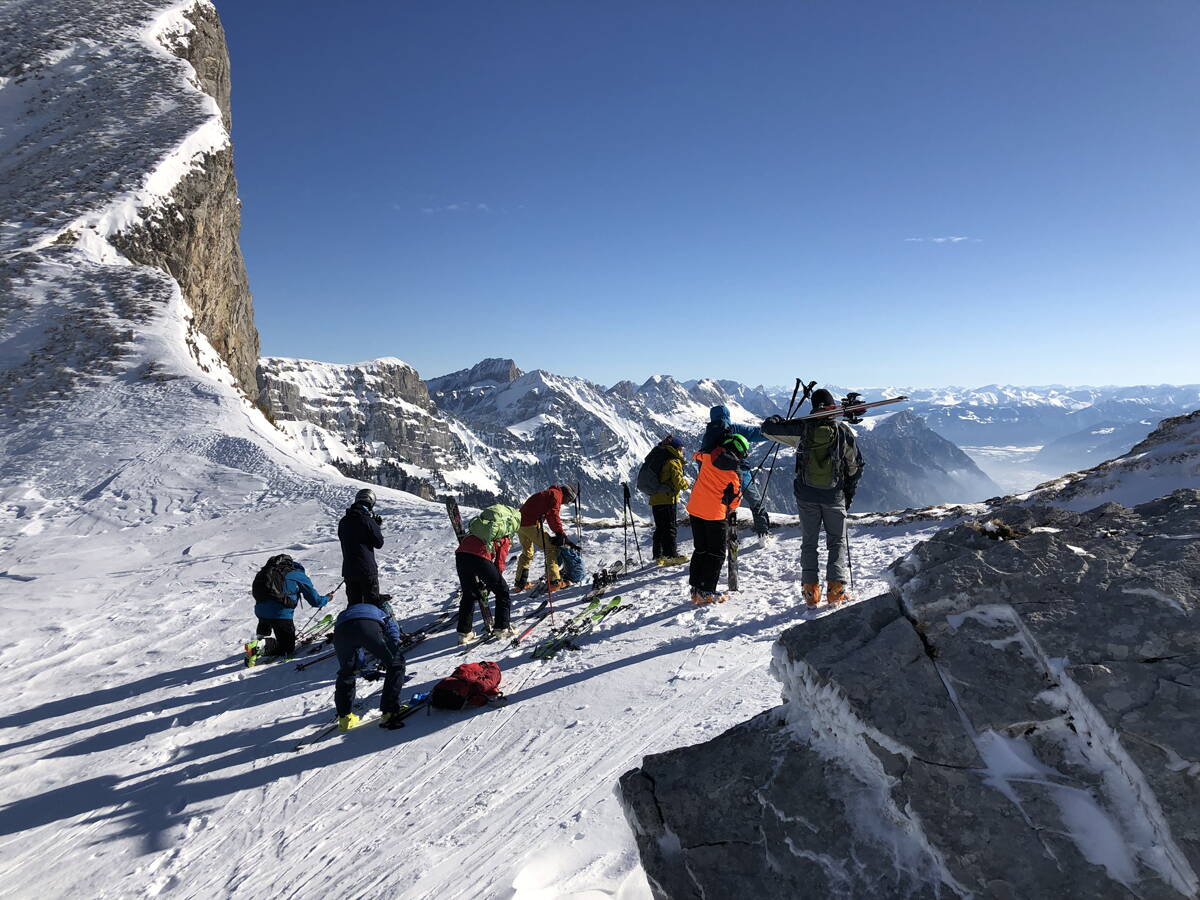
x: 360, y: 535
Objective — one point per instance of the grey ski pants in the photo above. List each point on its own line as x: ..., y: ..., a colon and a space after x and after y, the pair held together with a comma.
x: 814, y: 517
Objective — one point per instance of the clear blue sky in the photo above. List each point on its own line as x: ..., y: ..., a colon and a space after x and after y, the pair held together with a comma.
x: 736, y: 190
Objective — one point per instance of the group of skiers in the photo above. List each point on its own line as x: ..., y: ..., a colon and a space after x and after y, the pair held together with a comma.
x: 828, y: 468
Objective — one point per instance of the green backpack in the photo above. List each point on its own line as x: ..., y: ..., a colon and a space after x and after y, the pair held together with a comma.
x: 820, y: 464
x: 494, y: 523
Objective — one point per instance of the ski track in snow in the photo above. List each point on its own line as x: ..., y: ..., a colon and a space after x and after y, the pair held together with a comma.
x: 136, y: 740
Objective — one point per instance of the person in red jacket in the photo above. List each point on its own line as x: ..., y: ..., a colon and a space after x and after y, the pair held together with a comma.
x: 716, y: 493
x: 482, y: 566
x: 544, y: 506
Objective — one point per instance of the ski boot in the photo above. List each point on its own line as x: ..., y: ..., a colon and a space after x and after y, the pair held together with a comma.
x: 507, y: 633
x: 835, y: 593
x: 675, y: 560
x: 811, y: 594
x: 348, y: 721
x: 560, y: 585
x: 466, y: 638
x: 522, y: 581
x: 391, y: 721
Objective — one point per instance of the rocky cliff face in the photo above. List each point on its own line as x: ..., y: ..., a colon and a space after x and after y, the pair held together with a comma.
x: 194, y: 235
x: 1016, y: 720
x: 375, y: 421
x: 112, y: 151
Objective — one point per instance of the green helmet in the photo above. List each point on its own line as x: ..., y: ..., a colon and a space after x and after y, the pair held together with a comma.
x: 738, y: 444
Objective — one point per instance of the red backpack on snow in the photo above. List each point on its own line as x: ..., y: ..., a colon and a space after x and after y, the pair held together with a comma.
x: 472, y: 684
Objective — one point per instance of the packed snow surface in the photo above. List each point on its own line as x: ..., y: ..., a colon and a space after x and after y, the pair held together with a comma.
x: 140, y: 756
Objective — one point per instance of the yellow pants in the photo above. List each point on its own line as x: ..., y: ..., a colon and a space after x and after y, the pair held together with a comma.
x: 534, y: 537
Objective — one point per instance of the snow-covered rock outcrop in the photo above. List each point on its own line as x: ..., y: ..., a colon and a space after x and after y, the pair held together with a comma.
x: 1016, y: 720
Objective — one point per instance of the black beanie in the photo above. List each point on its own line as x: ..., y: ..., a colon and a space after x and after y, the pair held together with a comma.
x: 822, y: 398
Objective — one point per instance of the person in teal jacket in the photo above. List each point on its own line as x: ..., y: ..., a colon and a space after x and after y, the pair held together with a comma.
x: 719, y: 427
x: 277, y: 617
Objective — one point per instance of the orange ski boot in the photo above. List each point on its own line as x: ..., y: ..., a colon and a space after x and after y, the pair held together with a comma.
x: 811, y: 594
x: 836, y: 593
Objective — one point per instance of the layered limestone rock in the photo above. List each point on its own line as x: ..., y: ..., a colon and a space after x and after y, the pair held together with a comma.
x: 195, y: 235
x: 375, y: 421
x: 115, y: 147
x: 1017, y: 720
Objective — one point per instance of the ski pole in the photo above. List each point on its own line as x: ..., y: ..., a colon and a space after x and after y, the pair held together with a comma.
x: 625, y: 528
x: 793, y: 407
x: 849, y: 558
x: 546, y: 563
x: 578, y: 519
x: 633, y: 521
x: 772, y: 450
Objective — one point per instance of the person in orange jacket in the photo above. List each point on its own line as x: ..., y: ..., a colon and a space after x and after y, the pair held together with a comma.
x: 716, y: 493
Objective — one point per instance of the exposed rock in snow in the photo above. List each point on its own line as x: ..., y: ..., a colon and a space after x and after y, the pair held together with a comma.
x: 1018, y: 720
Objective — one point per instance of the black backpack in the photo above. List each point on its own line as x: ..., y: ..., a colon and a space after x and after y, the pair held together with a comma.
x: 647, y: 476
x: 269, y: 582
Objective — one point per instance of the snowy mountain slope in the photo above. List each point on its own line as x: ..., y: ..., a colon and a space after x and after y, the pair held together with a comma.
x: 155, y: 756
x: 1167, y: 460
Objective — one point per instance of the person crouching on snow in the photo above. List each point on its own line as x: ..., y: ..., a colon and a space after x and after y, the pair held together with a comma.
x: 367, y: 627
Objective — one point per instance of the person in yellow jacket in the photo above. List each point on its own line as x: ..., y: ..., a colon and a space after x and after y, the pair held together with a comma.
x: 716, y: 493
x: 664, y: 504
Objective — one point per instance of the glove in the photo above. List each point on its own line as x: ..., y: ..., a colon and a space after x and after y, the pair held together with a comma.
x: 728, y: 495
x: 574, y: 546
x: 558, y: 540
x: 324, y: 600
x: 378, y: 520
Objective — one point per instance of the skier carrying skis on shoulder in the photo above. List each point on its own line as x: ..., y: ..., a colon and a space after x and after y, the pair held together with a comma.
x: 365, y: 627
x: 828, y: 468
x: 716, y: 493
x: 661, y: 478
x: 720, y: 426
x: 544, y: 506
x: 360, y: 534
x: 277, y: 590
x: 479, y: 560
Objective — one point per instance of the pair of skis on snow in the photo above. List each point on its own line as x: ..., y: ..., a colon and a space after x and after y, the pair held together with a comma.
x: 601, y: 581
x: 312, y: 634
x: 414, y: 704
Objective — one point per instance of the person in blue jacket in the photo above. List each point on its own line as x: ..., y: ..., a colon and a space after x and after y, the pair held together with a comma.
x: 360, y: 535
x: 719, y: 427
x: 367, y: 627
x: 277, y: 617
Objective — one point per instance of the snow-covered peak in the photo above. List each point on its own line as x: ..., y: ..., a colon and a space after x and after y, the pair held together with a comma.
x: 1167, y: 460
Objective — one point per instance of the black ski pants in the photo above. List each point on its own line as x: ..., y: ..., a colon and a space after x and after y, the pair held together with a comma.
x: 664, y: 530
x: 362, y: 589
x: 474, y: 574
x: 285, y: 636
x: 708, y: 554
x: 365, y: 634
